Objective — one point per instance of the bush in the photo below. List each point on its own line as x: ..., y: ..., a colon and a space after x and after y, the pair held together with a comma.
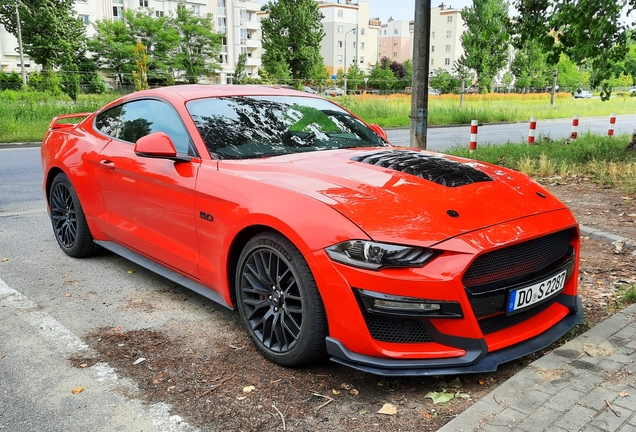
x: 11, y: 81
x: 45, y: 81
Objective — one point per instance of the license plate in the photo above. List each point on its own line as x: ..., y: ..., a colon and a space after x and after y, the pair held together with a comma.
x: 527, y: 296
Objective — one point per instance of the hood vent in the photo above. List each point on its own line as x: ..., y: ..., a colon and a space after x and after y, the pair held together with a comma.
x: 437, y: 169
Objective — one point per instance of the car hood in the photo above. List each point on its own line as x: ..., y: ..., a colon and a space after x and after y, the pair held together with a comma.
x: 401, y: 195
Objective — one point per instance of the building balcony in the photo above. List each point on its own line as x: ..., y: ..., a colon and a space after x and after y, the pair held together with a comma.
x: 249, y: 5
x: 251, y: 24
x: 253, y: 61
x: 252, y: 43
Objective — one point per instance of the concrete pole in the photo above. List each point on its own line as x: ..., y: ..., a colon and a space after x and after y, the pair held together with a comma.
x: 555, y: 74
x: 419, y: 97
x: 17, y: 17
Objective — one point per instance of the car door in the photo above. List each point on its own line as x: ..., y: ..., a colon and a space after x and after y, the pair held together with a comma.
x: 149, y: 202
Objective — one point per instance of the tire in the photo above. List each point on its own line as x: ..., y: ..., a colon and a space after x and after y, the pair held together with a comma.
x: 279, y: 302
x: 68, y: 220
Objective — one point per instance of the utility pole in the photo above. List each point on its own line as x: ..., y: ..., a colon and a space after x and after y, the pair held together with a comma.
x: 419, y: 97
x: 555, y: 74
x: 17, y: 17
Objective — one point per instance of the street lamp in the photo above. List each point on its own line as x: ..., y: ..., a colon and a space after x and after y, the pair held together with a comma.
x: 345, y: 59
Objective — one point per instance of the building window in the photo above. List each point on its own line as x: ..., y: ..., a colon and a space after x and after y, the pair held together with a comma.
x: 395, y: 44
x: 339, y: 59
x: 448, y: 34
x: 339, y: 44
x: 361, y: 59
x: 222, y: 24
x: 196, y: 9
x: 339, y: 29
x: 384, y: 33
x: 447, y: 48
x: 354, y: 45
x: 362, y: 31
x: 394, y: 54
x: 432, y: 61
x: 449, y: 19
x: 395, y: 31
x: 432, y: 35
x: 447, y: 61
x: 158, y: 14
x: 143, y: 3
x: 361, y: 45
x: 339, y: 14
x: 118, y: 13
x: 81, y: 1
x: 84, y: 19
x: 432, y: 48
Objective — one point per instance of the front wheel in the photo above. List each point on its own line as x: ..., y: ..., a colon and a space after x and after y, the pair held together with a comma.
x: 279, y: 302
x: 68, y: 220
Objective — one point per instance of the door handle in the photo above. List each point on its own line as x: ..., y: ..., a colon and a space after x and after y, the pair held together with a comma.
x: 110, y: 165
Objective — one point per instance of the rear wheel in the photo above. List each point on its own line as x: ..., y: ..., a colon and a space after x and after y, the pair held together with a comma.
x: 67, y: 217
x: 279, y: 302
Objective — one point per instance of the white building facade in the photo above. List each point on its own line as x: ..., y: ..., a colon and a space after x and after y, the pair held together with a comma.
x: 235, y: 18
x: 447, y: 26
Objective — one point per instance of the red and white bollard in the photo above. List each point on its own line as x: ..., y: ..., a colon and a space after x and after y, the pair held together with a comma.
x: 531, y: 131
x: 473, y: 135
x: 575, y: 127
x: 610, y: 130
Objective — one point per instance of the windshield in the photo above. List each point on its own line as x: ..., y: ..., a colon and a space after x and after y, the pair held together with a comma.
x: 261, y: 126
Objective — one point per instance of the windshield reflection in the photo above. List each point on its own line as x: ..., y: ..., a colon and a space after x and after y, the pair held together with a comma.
x: 259, y: 126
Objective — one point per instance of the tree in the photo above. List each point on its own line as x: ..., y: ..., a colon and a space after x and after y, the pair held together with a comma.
x: 113, y: 47
x: 70, y: 80
x: 584, y: 30
x: 486, y: 39
x: 198, y: 46
x: 51, y: 32
x: 355, y: 76
x: 530, y: 67
x: 381, y: 76
x: 292, y: 33
x: 140, y: 72
x: 443, y: 81
x: 239, y: 71
x: 160, y: 39
x: 569, y: 76
x: 507, y: 79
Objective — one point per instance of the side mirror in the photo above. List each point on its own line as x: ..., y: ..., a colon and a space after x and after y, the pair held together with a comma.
x: 158, y: 145
x: 377, y: 129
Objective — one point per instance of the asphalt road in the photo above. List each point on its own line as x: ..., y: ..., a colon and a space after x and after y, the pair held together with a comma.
x: 444, y: 138
x: 48, y: 302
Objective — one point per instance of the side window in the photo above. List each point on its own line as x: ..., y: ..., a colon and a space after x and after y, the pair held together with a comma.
x: 108, y: 122
x: 143, y: 117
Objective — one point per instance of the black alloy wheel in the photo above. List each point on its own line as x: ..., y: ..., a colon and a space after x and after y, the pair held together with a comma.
x: 279, y: 302
x: 67, y: 217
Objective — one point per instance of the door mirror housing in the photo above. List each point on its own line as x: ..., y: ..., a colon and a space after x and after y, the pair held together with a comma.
x: 158, y: 145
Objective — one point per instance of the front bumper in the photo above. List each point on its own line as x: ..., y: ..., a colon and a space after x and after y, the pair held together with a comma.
x: 476, y: 360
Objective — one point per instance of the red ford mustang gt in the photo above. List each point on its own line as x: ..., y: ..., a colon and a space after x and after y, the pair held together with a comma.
x: 325, y: 237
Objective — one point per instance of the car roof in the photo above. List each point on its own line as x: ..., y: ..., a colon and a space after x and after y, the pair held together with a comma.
x: 197, y: 91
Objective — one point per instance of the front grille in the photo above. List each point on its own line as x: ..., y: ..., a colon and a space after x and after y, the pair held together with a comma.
x: 510, y: 265
x: 398, y: 329
x: 500, y: 322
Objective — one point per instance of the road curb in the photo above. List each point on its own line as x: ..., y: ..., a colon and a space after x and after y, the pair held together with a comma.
x: 606, y: 237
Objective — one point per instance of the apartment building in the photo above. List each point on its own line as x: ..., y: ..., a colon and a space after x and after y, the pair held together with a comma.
x: 396, y: 40
x: 447, y: 27
x: 351, y: 35
x: 235, y: 18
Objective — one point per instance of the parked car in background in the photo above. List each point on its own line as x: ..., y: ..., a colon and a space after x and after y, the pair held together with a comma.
x: 336, y: 91
x: 324, y: 236
x: 434, y: 92
x: 582, y: 94
x: 308, y: 89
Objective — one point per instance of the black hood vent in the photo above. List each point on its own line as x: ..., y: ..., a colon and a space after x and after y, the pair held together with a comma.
x: 437, y: 169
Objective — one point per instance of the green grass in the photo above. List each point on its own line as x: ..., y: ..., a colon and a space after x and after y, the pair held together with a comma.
x: 25, y: 116
x: 601, y: 159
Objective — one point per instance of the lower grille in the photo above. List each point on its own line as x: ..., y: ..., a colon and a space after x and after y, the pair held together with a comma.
x: 389, y: 329
x: 500, y: 322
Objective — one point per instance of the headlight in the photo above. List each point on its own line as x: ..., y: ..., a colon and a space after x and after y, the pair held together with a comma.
x: 372, y: 255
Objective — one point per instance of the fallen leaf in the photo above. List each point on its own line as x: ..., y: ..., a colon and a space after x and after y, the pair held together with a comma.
x: 171, y: 388
x: 77, y: 390
x: 118, y: 328
x: 388, y: 409
x: 621, y: 394
x: 241, y: 397
x: 462, y: 395
x: 354, y: 392
x: 67, y: 295
x: 440, y: 397
x: 336, y: 392
x: 346, y: 386
x: 482, y: 382
x: 83, y: 365
x: 5, y: 259
x: 456, y: 383
x: 131, y: 271
x: 139, y: 360
x: 249, y: 389
x: 383, y: 383
x: 2, y: 356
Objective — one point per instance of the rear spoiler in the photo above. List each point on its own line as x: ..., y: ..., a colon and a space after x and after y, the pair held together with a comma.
x: 55, y: 125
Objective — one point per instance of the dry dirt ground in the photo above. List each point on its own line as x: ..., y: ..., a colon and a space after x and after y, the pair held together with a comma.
x: 216, y: 381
